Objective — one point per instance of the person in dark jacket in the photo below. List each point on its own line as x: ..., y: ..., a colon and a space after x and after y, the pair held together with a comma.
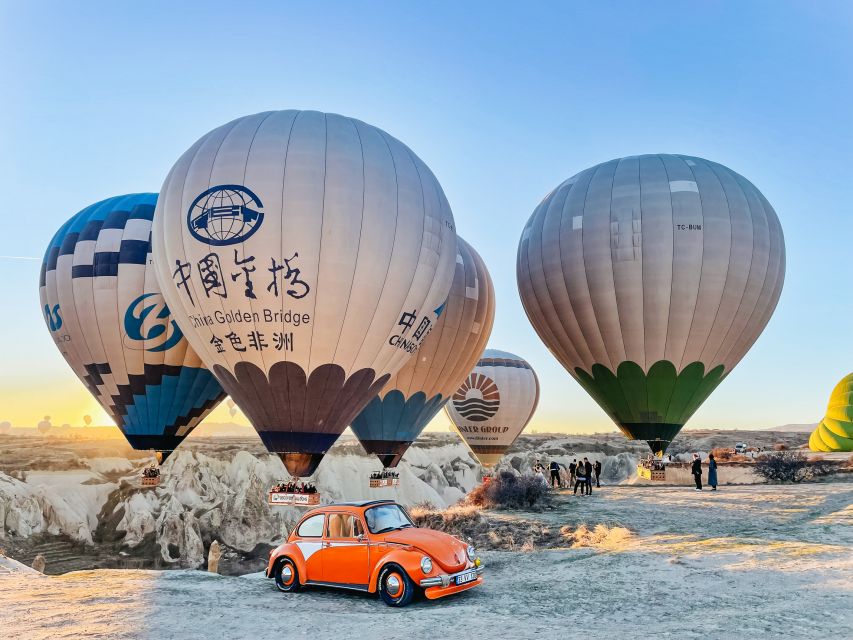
x: 597, y: 469
x: 573, y: 467
x: 580, y: 480
x: 587, y: 467
x: 555, y: 474
x: 696, y: 469
x: 712, y: 472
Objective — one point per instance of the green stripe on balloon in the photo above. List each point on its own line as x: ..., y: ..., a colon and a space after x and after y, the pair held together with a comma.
x: 654, y: 405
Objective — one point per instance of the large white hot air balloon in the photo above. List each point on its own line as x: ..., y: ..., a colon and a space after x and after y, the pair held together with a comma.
x: 306, y: 256
x: 649, y: 278
x: 494, y: 404
x: 103, y: 308
x: 395, y: 418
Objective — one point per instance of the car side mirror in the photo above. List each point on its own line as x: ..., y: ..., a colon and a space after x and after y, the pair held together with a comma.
x: 360, y: 537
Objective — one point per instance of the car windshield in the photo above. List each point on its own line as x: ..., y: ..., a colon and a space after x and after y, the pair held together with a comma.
x: 386, y: 517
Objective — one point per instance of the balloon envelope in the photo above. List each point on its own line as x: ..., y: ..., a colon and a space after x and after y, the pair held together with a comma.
x: 648, y: 278
x: 306, y: 256
x: 395, y: 418
x: 105, y: 312
x: 494, y: 404
x: 835, y: 431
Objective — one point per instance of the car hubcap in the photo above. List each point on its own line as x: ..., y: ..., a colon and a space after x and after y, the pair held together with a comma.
x: 394, y: 585
x: 287, y: 574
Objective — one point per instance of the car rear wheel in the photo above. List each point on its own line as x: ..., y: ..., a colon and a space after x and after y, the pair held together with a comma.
x: 395, y: 587
x: 286, y: 576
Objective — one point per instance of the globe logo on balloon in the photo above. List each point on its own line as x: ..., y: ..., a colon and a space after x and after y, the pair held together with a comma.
x: 478, y: 398
x: 147, y: 321
x: 225, y: 214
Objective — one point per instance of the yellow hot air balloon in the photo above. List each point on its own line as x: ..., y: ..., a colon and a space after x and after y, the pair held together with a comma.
x: 835, y: 431
x: 494, y: 404
x: 306, y: 256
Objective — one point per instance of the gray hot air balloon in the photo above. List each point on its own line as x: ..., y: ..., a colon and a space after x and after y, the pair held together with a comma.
x: 649, y: 277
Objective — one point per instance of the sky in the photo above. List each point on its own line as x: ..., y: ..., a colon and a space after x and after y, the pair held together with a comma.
x: 503, y: 101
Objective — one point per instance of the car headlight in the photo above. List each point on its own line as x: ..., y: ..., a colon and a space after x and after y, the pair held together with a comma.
x: 471, y: 553
x: 426, y: 564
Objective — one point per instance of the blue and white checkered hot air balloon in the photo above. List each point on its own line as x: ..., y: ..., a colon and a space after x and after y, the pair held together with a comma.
x: 105, y: 312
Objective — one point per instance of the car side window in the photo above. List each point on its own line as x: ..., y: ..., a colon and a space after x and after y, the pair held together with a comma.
x: 312, y: 527
x: 343, y: 525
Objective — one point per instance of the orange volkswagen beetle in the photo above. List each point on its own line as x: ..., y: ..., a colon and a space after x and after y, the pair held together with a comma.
x: 373, y: 546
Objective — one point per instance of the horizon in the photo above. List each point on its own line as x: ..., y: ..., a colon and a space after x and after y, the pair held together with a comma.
x: 502, y: 112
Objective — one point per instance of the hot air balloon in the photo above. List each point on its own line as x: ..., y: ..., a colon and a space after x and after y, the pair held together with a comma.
x: 649, y: 278
x: 835, y: 431
x: 105, y: 312
x: 494, y: 404
x: 306, y: 256
x: 232, y: 408
x: 395, y: 418
x: 44, y: 425
x: 5, y: 426
x: 87, y: 419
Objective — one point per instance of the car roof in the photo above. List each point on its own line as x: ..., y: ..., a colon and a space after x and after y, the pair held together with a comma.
x: 355, y: 503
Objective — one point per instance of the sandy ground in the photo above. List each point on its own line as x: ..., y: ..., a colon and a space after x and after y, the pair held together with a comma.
x: 760, y: 561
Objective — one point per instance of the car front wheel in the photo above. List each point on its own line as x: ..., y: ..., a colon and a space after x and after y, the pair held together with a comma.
x: 286, y: 576
x: 395, y: 587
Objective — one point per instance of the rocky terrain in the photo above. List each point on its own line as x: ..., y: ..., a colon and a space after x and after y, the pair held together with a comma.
x: 80, y: 504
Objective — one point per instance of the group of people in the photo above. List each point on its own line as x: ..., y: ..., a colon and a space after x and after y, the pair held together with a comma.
x: 294, y: 487
x: 385, y: 473
x: 581, y: 474
x: 151, y: 472
x: 696, y: 470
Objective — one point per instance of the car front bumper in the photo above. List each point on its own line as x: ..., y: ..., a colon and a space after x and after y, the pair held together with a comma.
x: 446, y: 581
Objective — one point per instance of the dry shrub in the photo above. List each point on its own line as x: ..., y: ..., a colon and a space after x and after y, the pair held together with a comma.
x: 509, y: 491
x: 722, y: 453
x: 780, y: 446
x: 599, y: 536
x: 790, y: 466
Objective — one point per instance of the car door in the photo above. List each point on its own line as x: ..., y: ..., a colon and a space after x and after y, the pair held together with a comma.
x: 310, y: 542
x: 347, y: 552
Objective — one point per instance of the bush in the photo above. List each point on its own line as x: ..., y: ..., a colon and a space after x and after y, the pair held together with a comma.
x: 789, y: 466
x: 722, y: 453
x: 509, y: 491
x: 780, y: 446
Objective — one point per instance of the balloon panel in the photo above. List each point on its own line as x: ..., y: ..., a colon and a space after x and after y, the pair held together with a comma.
x: 105, y: 312
x: 648, y: 278
x: 306, y: 256
x: 396, y: 417
x: 494, y: 404
x: 835, y: 431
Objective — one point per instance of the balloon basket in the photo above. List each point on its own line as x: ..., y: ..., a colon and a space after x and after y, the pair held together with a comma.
x: 292, y: 499
x: 151, y: 477
x: 380, y: 483
x: 655, y: 472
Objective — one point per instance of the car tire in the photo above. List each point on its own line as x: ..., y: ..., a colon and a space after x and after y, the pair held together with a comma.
x: 395, y: 586
x: 286, y: 576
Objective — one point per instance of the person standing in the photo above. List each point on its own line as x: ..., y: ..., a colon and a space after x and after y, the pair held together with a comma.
x: 587, y: 468
x: 597, y: 469
x: 696, y: 468
x: 712, y: 472
x: 555, y: 474
x: 573, y: 468
x: 580, y: 480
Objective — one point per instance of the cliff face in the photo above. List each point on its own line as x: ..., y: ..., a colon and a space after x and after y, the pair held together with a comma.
x: 208, y: 491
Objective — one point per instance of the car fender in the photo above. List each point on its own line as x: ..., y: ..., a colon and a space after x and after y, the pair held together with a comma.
x: 290, y: 550
x: 409, y: 559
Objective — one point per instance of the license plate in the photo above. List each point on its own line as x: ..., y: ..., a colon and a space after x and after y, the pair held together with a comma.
x: 468, y: 576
